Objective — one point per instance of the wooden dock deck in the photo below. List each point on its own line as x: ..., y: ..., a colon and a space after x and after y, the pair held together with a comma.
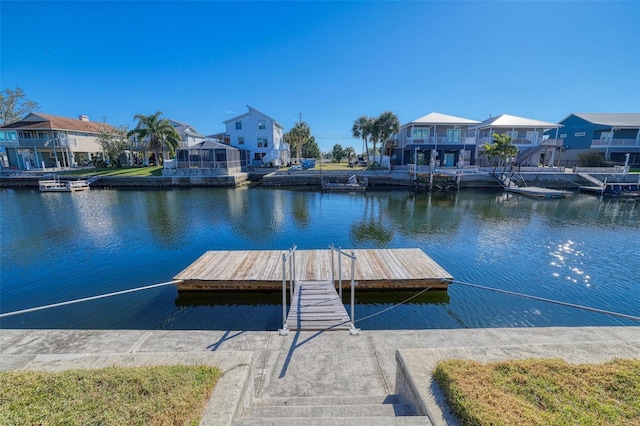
x: 317, y: 306
x: 382, y: 269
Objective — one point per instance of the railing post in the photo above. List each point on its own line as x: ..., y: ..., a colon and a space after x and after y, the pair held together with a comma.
x: 353, y: 330
x: 340, y: 273
x: 333, y: 275
x: 283, y: 331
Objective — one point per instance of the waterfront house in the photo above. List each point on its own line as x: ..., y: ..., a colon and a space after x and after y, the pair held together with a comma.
x: 259, y: 134
x: 43, y: 140
x: 207, y: 158
x: 527, y: 135
x: 188, y: 134
x: 449, y: 136
x: 613, y: 134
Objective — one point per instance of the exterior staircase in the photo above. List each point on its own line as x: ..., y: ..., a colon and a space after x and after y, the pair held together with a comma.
x: 330, y: 410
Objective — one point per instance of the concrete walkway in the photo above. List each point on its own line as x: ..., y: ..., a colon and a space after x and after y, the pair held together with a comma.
x: 320, y: 364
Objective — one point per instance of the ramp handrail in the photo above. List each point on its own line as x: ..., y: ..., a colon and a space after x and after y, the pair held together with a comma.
x: 290, y: 256
x: 352, y: 256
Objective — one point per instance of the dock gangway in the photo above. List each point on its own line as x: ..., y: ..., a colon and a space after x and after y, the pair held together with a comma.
x: 315, y: 305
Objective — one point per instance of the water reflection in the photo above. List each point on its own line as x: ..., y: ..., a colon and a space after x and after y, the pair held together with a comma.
x: 57, y: 247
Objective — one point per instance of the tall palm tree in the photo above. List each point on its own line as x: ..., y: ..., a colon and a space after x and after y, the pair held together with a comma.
x: 500, y: 148
x: 383, y: 127
x: 156, y: 133
x: 362, y: 129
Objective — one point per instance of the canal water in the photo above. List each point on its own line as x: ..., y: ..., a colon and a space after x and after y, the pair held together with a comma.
x: 59, y: 246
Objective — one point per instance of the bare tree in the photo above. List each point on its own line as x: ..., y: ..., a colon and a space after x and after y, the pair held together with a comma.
x: 14, y: 105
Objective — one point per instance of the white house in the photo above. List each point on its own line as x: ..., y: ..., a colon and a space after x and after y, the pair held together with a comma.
x: 259, y: 134
x: 527, y: 135
x: 187, y: 133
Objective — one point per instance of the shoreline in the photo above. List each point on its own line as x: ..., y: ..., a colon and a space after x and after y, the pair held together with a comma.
x: 377, y: 179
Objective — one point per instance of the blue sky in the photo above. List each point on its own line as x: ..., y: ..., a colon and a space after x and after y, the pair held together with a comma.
x: 204, y: 62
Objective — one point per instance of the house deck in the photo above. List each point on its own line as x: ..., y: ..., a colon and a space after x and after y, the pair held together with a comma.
x: 382, y: 269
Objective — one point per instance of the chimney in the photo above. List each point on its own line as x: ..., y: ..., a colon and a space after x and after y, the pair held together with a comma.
x: 83, y: 118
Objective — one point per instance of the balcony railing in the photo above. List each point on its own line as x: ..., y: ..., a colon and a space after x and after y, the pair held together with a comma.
x: 40, y: 143
x: 517, y: 141
x: 615, y: 143
x: 443, y: 140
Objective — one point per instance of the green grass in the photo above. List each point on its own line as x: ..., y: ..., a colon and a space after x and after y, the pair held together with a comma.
x: 542, y: 392
x: 109, y: 396
x: 118, y: 171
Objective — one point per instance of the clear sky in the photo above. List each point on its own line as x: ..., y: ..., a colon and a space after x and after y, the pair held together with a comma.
x: 204, y: 62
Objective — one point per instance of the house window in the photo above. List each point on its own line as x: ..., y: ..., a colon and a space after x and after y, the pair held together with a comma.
x: 562, y: 136
x: 604, y: 135
x: 257, y: 156
x: 261, y: 125
x: 532, y: 136
x: 24, y: 135
x: 420, y: 133
x: 238, y: 125
x: 513, y: 134
x: 453, y: 135
x: 8, y: 136
x: 577, y: 135
x: 240, y: 140
x: 263, y: 142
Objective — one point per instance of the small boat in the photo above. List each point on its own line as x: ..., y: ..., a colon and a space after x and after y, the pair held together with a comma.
x: 57, y: 185
x: 621, y: 190
x: 353, y: 184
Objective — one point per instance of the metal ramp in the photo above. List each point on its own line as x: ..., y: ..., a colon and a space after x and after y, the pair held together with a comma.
x: 516, y: 184
x: 316, y: 305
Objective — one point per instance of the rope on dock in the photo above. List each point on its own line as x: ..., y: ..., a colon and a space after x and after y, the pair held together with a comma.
x: 86, y: 299
x: 391, y: 307
x: 543, y: 299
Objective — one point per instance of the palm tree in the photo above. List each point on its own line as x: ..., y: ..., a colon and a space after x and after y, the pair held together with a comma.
x: 298, y: 135
x: 362, y: 129
x: 383, y: 127
x: 157, y: 133
x: 349, y: 152
x: 500, y: 148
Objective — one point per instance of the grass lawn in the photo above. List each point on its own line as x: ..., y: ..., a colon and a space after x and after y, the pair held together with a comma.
x: 117, y: 171
x: 109, y: 396
x: 542, y: 392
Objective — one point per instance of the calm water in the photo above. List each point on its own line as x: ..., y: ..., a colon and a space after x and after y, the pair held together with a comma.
x: 57, y: 247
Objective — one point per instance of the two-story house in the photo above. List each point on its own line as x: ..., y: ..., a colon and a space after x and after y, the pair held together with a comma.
x: 188, y: 135
x: 259, y: 134
x: 527, y: 135
x: 613, y: 134
x: 447, y: 137
x: 42, y: 140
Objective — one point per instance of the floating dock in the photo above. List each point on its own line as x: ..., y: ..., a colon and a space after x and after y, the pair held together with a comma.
x: 261, y: 270
x: 539, y: 193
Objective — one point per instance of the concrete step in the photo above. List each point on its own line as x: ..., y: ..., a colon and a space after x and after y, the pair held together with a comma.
x: 326, y: 400
x: 316, y: 411
x: 335, y: 421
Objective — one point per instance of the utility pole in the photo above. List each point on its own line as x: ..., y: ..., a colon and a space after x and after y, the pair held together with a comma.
x: 300, y: 118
